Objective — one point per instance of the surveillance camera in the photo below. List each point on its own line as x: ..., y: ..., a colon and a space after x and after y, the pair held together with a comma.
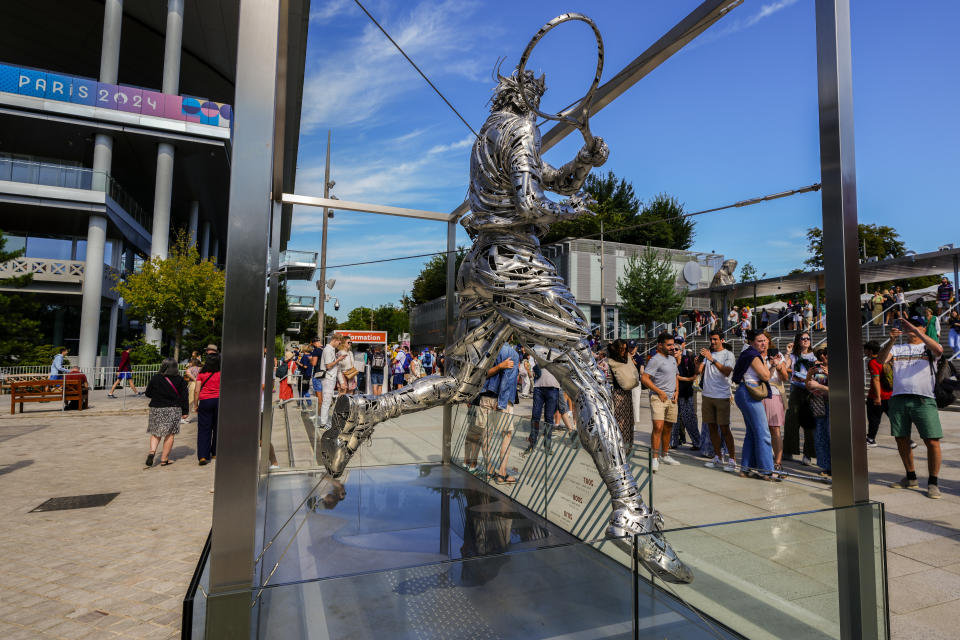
x: 336, y: 306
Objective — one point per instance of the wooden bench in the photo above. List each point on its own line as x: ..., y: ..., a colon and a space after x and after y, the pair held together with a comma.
x: 6, y: 380
x: 47, y: 391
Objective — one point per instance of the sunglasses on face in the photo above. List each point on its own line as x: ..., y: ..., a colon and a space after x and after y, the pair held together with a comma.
x: 805, y: 339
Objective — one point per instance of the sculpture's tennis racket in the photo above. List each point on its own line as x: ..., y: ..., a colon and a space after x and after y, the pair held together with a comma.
x: 578, y: 114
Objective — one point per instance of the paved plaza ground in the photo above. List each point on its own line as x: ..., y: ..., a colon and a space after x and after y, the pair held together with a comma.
x: 121, y: 570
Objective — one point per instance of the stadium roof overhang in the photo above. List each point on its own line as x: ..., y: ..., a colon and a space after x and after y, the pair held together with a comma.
x: 909, y: 266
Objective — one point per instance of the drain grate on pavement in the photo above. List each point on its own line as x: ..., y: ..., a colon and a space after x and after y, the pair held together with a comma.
x: 76, y: 502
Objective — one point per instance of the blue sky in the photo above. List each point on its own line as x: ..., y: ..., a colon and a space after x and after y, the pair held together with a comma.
x: 731, y: 116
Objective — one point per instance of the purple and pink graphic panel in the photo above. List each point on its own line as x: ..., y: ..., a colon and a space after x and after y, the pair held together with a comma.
x: 78, y: 90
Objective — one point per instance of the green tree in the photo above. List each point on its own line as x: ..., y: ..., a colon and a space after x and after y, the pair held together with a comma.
x: 308, y: 327
x: 648, y: 289
x: 873, y: 240
x: 20, y: 336
x: 748, y: 273
x: 359, y: 319
x: 392, y: 319
x: 177, y: 293
x: 432, y: 281
x: 661, y: 224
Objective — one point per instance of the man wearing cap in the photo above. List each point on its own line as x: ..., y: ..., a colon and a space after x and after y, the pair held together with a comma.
x: 912, y: 400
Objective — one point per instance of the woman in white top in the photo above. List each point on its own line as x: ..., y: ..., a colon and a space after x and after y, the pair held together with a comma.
x: 756, y: 452
x: 347, y: 385
x: 774, y: 405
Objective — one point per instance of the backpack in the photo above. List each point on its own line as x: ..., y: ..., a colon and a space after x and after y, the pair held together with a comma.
x: 378, y: 361
x: 944, y: 390
x: 281, y: 371
x: 886, y: 377
x: 427, y: 359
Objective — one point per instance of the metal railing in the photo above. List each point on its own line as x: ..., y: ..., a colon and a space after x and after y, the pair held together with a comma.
x: 301, y: 301
x: 297, y: 257
x: 53, y: 174
x: 97, y: 377
x: 51, y: 270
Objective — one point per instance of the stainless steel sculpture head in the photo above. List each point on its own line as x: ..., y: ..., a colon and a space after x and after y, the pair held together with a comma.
x: 507, y: 288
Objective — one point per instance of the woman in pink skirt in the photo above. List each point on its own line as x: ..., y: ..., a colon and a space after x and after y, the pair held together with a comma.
x: 774, y: 404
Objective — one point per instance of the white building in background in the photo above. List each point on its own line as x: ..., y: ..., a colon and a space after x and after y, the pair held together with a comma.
x: 594, y: 285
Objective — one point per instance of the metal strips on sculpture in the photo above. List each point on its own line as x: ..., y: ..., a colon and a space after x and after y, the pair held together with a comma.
x: 507, y: 288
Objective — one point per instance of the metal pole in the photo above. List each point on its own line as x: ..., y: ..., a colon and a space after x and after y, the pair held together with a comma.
x: 855, y: 549
x: 270, y: 338
x: 603, y: 306
x: 449, y: 326
x: 233, y: 536
x: 322, y: 289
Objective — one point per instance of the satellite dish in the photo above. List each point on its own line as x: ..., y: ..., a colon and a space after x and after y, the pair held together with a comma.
x: 691, y: 272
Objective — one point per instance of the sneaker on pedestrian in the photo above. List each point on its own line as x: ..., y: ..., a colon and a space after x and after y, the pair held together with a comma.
x: 655, y: 465
x: 713, y: 464
x: 731, y: 466
x: 110, y: 395
x: 527, y: 451
x: 871, y: 442
x: 933, y: 491
x: 806, y: 461
x: 668, y: 459
x: 905, y: 483
x: 913, y: 444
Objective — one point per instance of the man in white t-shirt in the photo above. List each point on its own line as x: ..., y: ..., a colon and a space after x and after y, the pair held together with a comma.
x: 912, y: 400
x: 716, y: 366
x: 329, y: 368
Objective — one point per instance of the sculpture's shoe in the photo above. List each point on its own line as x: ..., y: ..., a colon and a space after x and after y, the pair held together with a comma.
x: 653, y: 551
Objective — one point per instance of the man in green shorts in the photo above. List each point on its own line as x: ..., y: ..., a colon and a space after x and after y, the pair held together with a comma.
x: 912, y: 401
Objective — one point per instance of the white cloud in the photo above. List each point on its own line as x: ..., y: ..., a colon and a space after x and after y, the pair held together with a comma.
x: 768, y: 10
x: 330, y: 9
x: 366, y: 73
x: 460, y: 144
x: 734, y: 26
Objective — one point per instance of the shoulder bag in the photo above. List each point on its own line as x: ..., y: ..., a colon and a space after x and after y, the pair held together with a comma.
x: 625, y: 374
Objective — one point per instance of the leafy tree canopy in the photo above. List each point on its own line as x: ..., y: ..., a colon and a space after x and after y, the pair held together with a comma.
x: 20, y: 335
x: 618, y: 208
x: 874, y: 240
x: 177, y: 293
x: 648, y: 289
x: 432, y: 281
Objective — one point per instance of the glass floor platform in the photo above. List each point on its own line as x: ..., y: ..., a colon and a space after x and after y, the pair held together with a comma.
x: 429, y: 551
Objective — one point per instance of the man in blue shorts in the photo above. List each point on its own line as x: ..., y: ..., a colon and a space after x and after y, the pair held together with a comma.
x: 912, y: 401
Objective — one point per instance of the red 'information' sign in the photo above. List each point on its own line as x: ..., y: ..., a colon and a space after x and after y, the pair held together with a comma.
x: 366, y: 337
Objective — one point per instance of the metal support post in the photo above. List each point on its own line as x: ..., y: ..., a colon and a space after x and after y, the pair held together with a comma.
x: 855, y: 547
x: 449, y: 328
x: 270, y: 337
x: 322, y: 288
x: 233, y: 537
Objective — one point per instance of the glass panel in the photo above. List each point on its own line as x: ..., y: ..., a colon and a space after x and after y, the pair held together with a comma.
x: 54, y: 248
x: 556, y: 479
x: 777, y: 577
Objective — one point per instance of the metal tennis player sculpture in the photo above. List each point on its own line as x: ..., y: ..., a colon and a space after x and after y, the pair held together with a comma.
x: 506, y: 288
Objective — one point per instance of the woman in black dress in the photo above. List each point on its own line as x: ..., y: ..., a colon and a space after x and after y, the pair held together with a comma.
x: 169, y: 403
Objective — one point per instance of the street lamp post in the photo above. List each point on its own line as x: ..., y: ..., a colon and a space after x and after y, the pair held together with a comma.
x: 321, y: 284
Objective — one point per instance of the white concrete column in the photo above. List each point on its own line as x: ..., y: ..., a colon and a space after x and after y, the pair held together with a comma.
x: 205, y: 240
x: 194, y: 222
x: 163, y: 189
x: 97, y: 225
x: 92, y: 291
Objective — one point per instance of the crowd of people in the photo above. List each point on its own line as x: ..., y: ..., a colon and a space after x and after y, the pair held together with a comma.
x: 783, y: 398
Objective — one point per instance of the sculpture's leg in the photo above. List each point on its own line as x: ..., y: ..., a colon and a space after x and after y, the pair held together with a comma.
x: 355, y: 416
x: 580, y: 377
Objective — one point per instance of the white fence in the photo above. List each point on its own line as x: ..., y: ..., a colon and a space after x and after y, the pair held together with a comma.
x: 97, y: 377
